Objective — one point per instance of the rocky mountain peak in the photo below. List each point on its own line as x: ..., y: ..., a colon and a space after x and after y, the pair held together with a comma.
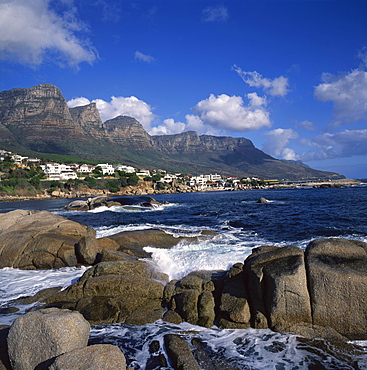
x: 125, y: 130
x: 87, y: 116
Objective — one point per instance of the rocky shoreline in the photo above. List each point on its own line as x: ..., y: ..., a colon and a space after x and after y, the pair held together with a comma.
x: 316, y: 293
x: 148, y: 189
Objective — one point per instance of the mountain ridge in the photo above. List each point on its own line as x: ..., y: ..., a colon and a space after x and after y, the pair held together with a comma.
x: 39, y: 120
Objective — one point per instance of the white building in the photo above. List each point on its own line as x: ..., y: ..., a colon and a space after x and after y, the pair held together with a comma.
x: 127, y: 169
x: 107, y: 169
x: 18, y: 159
x: 143, y: 173
x: 213, y: 178
x: 168, y: 177
x: 198, y: 180
x: 86, y: 168
x: 57, y: 171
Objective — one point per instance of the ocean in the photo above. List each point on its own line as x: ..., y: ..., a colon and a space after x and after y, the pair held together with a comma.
x: 291, y: 216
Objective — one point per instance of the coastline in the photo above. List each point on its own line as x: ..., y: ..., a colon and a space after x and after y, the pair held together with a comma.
x: 147, y: 190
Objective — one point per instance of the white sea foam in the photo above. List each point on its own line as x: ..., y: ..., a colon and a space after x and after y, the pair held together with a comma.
x: 206, y: 255
x: 242, y: 348
x: 178, y: 230
x: 17, y: 283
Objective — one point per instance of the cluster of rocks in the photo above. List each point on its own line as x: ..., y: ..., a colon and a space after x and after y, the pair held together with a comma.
x: 43, y: 240
x: 319, y: 292
x: 316, y: 293
x: 92, y: 203
x: 53, y: 339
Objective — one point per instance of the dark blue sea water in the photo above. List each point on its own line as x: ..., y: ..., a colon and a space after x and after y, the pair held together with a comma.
x: 292, y: 216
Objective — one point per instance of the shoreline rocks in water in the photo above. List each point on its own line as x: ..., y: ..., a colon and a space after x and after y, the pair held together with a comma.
x: 313, y: 293
x: 43, y: 240
x: 318, y: 292
x: 57, y: 339
x: 92, y: 203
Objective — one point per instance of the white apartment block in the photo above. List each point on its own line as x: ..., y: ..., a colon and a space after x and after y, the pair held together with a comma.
x: 86, y: 168
x: 127, y: 169
x: 57, y: 171
x: 107, y: 169
x: 143, y: 173
x: 213, y: 178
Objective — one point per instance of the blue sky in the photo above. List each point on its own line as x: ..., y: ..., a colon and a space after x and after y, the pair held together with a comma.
x: 289, y: 75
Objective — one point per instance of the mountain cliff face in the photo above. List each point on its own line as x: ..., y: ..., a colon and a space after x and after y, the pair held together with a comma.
x: 127, y: 131
x: 39, y: 120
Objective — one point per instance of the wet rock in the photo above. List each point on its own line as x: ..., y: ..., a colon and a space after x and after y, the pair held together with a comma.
x: 206, y: 310
x: 87, y: 250
x: 100, y: 201
x: 234, y: 302
x: 262, y: 200
x: 157, y: 360
x: 39, y: 296
x: 187, y: 305
x: 8, y: 310
x: 179, y: 353
x: 39, y: 240
x: 337, y: 275
x: 277, y: 287
x: 96, y: 357
x: 40, y: 335
x: 209, y: 359
x: 121, y: 291
x: 4, y: 357
x: 172, y: 317
x: 109, y: 255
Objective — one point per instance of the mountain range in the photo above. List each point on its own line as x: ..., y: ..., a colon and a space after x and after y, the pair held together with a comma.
x: 37, y: 121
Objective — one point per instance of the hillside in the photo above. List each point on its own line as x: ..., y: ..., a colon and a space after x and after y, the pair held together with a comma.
x: 37, y: 121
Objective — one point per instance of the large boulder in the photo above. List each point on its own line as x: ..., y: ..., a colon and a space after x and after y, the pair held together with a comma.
x: 337, y: 277
x: 277, y: 287
x: 40, y: 335
x: 39, y: 240
x: 96, y: 357
x: 121, y: 291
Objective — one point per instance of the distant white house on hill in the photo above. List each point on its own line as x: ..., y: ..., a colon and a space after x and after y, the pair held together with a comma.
x: 107, y: 169
x: 127, y: 169
x: 57, y: 171
x: 86, y: 168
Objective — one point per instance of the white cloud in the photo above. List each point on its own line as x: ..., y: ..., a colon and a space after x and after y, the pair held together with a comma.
x: 342, y: 144
x: 229, y: 113
x: 215, y: 13
x: 348, y: 92
x: 30, y: 32
x: 308, y: 125
x: 168, y: 127
x: 216, y: 115
x: 124, y: 106
x: 144, y: 57
x: 276, y: 87
x: 77, y: 102
x: 277, y: 141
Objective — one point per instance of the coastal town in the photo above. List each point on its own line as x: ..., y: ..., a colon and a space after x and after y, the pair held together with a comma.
x: 157, y: 180
x: 27, y: 177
